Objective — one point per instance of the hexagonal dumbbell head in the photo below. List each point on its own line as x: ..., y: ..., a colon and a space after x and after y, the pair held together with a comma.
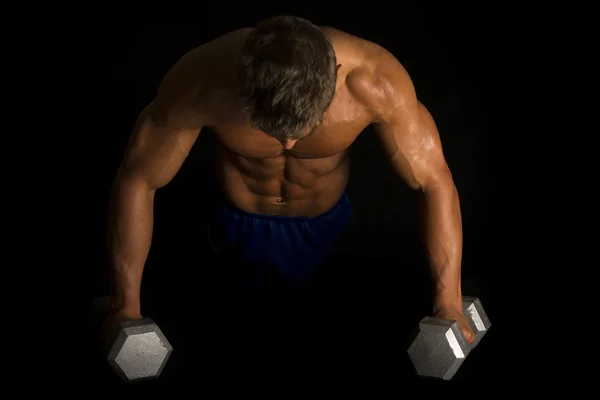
x: 139, y: 351
x: 438, y: 349
x: 477, y: 317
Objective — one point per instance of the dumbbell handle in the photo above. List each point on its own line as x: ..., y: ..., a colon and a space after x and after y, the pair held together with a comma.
x: 475, y: 314
x: 477, y: 317
x: 101, y: 309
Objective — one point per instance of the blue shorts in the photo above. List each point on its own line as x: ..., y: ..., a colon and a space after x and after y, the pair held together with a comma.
x: 289, y: 247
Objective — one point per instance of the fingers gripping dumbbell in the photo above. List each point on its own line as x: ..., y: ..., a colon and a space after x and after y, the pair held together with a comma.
x: 439, y: 347
x: 137, y: 349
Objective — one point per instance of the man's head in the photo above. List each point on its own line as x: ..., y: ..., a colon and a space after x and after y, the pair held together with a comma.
x: 287, y: 75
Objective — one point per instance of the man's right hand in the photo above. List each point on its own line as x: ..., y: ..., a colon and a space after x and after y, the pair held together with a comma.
x: 114, y: 317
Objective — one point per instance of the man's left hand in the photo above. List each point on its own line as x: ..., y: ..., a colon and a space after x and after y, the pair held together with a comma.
x: 456, y: 314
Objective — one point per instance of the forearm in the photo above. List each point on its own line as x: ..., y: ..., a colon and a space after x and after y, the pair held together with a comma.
x: 442, y: 234
x: 130, y: 222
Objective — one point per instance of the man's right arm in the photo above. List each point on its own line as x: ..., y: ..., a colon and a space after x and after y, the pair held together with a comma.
x: 157, y: 149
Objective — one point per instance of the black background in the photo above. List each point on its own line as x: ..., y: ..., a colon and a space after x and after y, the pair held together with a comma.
x: 376, y: 279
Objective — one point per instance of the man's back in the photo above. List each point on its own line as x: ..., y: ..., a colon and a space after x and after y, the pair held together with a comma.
x: 256, y: 172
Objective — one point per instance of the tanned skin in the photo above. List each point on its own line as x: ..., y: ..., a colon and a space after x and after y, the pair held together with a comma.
x: 261, y: 175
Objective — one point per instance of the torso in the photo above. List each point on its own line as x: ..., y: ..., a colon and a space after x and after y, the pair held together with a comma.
x: 254, y: 171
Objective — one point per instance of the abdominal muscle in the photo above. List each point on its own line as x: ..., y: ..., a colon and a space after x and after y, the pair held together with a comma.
x: 282, y: 185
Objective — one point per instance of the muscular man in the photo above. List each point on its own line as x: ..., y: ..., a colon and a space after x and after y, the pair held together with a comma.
x: 286, y: 99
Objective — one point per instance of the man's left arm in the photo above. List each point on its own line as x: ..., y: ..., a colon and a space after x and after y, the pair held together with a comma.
x: 412, y: 143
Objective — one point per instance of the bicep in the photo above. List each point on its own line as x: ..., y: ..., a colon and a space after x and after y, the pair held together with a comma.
x: 411, y: 141
x: 166, y: 129
x: 156, y: 151
x: 405, y: 128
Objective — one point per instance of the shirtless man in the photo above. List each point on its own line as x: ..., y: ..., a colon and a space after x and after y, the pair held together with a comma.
x: 286, y: 99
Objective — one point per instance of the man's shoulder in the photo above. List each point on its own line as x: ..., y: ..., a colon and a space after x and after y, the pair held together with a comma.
x: 232, y: 40
x: 374, y: 76
x: 213, y: 54
x: 198, y: 76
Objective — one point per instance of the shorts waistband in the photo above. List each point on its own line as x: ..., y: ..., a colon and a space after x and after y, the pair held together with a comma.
x: 266, y: 217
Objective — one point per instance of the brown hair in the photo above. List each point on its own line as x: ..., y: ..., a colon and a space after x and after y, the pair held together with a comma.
x: 287, y: 73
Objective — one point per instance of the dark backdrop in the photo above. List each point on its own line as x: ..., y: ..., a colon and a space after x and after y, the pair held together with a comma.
x: 377, y: 269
